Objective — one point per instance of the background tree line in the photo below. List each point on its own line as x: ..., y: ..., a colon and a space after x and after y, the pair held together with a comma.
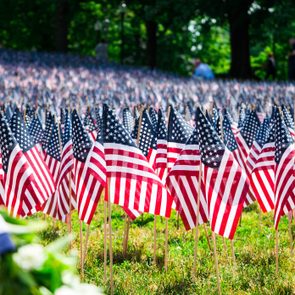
x: 233, y: 36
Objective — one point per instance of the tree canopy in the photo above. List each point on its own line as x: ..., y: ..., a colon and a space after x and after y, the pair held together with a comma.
x: 233, y: 36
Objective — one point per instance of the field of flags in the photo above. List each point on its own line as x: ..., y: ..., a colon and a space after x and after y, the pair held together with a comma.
x: 74, y: 134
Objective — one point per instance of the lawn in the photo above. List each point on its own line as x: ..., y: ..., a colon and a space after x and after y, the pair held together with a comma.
x: 252, y: 273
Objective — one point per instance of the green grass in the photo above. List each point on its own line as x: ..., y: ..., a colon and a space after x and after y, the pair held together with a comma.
x: 254, y: 272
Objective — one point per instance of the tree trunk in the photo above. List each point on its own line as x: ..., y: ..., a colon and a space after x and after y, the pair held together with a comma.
x: 239, y: 42
x: 152, y: 29
x: 61, y: 36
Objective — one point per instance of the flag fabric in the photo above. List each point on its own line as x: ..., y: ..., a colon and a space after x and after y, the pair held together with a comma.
x: 247, y: 134
x: 53, y: 160
x: 36, y: 130
x: 128, y: 121
x: 42, y: 175
x: 18, y: 180
x: 263, y: 172
x: 183, y: 184
x: 284, y: 170
x: 179, y: 132
x: 88, y: 189
x: 49, y: 121
x: 90, y: 126
x: 289, y: 121
x: 132, y: 182
x: 153, y: 117
x: 226, y: 185
x: 147, y: 139
x: 257, y: 145
x: 161, y: 158
x: 65, y: 184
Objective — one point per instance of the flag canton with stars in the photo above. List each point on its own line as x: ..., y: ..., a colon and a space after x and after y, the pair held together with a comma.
x: 48, y: 126
x: 193, y: 138
x: 288, y: 118
x: 127, y: 120
x: 113, y: 130
x: 7, y: 142
x: 98, y: 118
x: 283, y: 138
x: 67, y: 134
x: 20, y: 132
x: 54, y: 144
x: 147, y: 136
x: 161, y: 129
x: 36, y: 130
x: 154, y: 117
x: 89, y: 122
x: 229, y: 138
x: 250, y: 128
x: 211, y: 147
x: 81, y: 141
x: 263, y: 132
x: 179, y: 130
x: 135, y: 128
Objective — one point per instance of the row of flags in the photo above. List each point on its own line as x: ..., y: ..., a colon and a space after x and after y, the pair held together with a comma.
x: 205, y: 166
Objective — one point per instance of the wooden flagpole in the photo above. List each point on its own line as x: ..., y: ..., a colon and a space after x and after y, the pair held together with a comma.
x: 166, y: 222
x: 105, y: 247
x: 197, y: 223
x: 86, y: 244
x: 290, y: 232
x: 233, y: 253
x: 110, y: 240
x: 126, y: 235
x: 277, y: 251
x: 81, y: 250
x: 216, y: 263
x: 207, y: 237
x: 155, y: 240
x: 166, y: 245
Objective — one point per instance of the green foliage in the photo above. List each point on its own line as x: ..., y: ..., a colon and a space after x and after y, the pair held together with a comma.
x: 32, y: 25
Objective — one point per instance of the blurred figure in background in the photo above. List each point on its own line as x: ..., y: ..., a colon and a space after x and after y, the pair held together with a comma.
x: 270, y: 67
x: 202, y: 70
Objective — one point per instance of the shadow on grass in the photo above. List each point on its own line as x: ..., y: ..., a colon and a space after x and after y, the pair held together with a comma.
x: 143, y: 221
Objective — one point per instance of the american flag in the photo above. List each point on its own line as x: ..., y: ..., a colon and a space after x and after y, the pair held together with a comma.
x: 98, y: 118
x: 154, y: 117
x: 87, y: 187
x: 289, y: 121
x: 53, y: 160
x: 183, y: 184
x: 45, y: 185
x: 36, y: 131
x: 161, y: 158
x: 128, y: 121
x: 90, y: 126
x: 48, y: 128
x: 284, y: 170
x: 257, y: 145
x: 65, y: 184
x: 262, y: 176
x: 147, y: 139
x: 18, y: 180
x: 94, y: 172
x: 247, y: 134
x: 179, y: 132
x: 132, y: 181
x: 226, y: 184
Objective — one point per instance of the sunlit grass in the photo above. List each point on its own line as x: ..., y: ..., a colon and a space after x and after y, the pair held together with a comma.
x: 254, y: 272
